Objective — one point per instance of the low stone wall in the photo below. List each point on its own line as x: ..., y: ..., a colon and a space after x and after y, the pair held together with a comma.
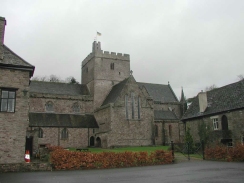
x: 25, y: 167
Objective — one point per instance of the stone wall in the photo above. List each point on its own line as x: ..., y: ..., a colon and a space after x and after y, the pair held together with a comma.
x: 77, y: 137
x: 61, y: 103
x: 13, y: 124
x: 100, y: 76
x: 127, y: 132
x: 235, y: 126
x: 164, y: 134
x: 25, y: 167
x: 176, y: 108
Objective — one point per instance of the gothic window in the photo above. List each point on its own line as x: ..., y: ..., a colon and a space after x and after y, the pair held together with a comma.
x: 40, y: 133
x: 126, y: 107
x: 76, y: 108
x: 215, y: 123
x: 112, y: 66
x: 7, y: 100
x: 170, y: 131
x: 156, y: 131
x: 49, y: 106
x: 132, y: 105
x: 138, y: 105
x: 64, y: 134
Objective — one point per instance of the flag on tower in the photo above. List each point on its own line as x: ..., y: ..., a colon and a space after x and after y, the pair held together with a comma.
x: 99, y: 34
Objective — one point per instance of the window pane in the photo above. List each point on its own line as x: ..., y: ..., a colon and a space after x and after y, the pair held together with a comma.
x: 10, y: 105
x: 4, y: 94
x: 4, y: 104
x: 11, y: 95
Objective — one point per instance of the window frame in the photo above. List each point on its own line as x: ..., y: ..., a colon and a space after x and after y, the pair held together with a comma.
x: 8, y: 90
x: 64, y: 134
x: 40, y: 133
x: 215, y: 123
x: 47, y: 106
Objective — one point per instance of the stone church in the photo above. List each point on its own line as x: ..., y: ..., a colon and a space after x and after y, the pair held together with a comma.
x: 108, y: 109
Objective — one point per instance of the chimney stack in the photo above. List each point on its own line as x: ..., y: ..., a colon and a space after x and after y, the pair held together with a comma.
x: 203, y: 102
x: 2, y: 29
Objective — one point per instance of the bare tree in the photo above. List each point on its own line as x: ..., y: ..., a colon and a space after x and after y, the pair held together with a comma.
x: 71, y: 80
x: 241, y: 77
x: 40, y: 78
x: 54, y: 78
x: 212, y: 87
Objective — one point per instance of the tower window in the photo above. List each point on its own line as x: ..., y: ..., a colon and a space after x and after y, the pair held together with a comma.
x: 112, y: 66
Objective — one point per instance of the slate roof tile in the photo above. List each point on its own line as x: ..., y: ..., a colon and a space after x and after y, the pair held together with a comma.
x: 58, y: 88
x: 62, y: 120
x: 164, y: 115
x: 11, y: 58
x: 115, y: 92
x: 159, y: 92
x: 226, y: 98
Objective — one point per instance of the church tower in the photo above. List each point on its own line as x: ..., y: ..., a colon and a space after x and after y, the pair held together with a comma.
x: 101, y: 70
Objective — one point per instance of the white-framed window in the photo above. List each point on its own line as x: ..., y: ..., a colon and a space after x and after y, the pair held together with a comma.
x: 215, y: 123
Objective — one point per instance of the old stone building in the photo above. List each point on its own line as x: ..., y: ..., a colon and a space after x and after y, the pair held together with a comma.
x: 109, y: 108
x: 218, y: 113
x: 15, y: 75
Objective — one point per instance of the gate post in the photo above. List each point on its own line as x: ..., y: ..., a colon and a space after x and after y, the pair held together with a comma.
x: 173, y: 150
x: 203, y: 150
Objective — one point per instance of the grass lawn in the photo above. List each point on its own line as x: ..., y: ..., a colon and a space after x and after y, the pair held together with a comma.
x: 148, y: 149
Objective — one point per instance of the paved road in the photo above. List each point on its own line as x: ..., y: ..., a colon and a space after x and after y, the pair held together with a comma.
x: 193, y: 171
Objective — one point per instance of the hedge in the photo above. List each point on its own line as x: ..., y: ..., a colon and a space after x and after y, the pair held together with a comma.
x: 70, y: 160
x: 221, y: 152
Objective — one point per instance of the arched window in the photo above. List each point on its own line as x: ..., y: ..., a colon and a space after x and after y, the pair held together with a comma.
x: 132, y: 105
x: 40, y: 133
x: 126, y: 107
x: 76, y: 108
x: 156, y: 130
x: 139, y: 105
x: 49, y: 106
x: 170, y: 131
x: 224, y: 123
x: 64, y: 134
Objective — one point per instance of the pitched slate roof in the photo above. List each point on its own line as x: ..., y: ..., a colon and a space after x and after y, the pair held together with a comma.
x: 62, y: 120
x: 164, y: 115
x: 58, y: 88
x: 12, y: 60
x: 226, y: 98
x: 159, y: 92
x: 114, y: 93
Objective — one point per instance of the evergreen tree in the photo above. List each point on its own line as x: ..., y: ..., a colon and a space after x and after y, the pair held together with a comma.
x: 189, y: 140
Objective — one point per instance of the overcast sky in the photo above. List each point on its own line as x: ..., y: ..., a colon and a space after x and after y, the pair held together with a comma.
x: 192, y: 44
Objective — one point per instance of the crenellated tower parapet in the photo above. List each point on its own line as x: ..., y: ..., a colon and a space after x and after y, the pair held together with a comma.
x: 102, y: 69
x: 98, y: 53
